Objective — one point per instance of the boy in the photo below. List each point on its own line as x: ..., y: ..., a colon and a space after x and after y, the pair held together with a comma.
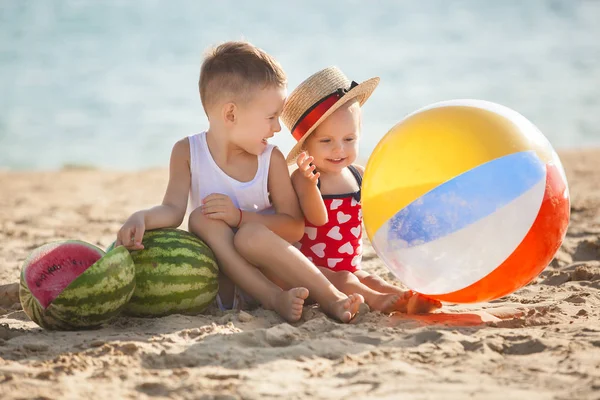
x: 238, y: 185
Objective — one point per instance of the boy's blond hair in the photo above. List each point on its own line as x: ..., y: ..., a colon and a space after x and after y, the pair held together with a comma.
x: 235, y: 69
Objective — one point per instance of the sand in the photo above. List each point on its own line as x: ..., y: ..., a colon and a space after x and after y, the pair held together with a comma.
x: 542, y: 342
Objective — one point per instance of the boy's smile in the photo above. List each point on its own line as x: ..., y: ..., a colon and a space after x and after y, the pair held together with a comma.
x: 259, y: 119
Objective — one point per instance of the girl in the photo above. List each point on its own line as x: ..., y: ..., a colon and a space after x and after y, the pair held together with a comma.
x: 323, y: 114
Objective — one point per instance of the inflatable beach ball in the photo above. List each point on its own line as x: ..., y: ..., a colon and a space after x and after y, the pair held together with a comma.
x: 465, y: 201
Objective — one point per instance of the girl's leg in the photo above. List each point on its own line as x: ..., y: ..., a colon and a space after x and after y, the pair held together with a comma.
x: 284, y: 264
x: 347, y: 282
x: 412, y: 302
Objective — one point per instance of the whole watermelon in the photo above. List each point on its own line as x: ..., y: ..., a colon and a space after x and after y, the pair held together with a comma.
x: 72, y: 284
x: 176, y: 273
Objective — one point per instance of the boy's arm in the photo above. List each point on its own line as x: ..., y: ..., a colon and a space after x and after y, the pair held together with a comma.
x: 171, y: 212
x: 288, y: 221
x: 311, y: 202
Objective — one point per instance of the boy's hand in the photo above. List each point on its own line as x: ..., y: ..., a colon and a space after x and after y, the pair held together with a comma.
x: 306, y: 169
x: 220, y: 206
x: 131, y: 233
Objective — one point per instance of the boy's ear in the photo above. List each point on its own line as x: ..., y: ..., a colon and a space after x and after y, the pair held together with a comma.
x: 229, y: 113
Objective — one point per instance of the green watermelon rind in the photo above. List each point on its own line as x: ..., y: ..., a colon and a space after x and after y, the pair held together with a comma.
x: 176, y: 273
x: 92, y: 299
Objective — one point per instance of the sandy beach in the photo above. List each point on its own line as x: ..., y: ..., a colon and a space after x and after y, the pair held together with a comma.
x: 542, y: 342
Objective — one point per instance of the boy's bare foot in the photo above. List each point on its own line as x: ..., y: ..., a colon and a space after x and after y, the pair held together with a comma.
x: 416, y: 303
x: 289, y: 303
x: 344, y: 309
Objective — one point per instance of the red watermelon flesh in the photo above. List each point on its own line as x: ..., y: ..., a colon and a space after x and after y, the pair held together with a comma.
x: 49, y: 272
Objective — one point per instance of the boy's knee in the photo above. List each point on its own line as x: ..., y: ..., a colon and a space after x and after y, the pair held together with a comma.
x: 196, y: 221
x: 204, y: 227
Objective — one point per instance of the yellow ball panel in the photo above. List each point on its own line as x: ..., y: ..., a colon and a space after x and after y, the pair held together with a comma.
x: 435, y: 145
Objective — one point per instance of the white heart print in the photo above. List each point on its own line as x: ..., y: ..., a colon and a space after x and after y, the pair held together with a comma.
x: 347, y: 248
x: 319, y: 249
x: 356, y: 260
x: 355, y: 231
x: 354, y: 203
x: 311, y: 232
x: 332, y: 262
x: 335, y: 203
x: 342, y: 218
x: 334, y: 233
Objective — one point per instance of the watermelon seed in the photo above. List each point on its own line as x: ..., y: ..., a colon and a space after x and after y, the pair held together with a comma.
x: 41, y: 279
x: 54, y: 268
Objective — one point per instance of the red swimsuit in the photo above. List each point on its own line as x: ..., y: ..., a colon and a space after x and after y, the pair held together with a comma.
x: 337, y: 245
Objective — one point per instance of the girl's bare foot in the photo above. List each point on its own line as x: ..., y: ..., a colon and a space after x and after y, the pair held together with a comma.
x: 387, y: 302
x: 289, y: 303
x: 416, y: 303
x: 344, y: 309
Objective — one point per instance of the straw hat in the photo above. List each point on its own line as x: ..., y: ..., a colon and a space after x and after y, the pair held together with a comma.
x: 317, y: 98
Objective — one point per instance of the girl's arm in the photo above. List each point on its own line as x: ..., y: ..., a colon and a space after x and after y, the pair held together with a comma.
x: 311, y: 202
x: 360, y: 169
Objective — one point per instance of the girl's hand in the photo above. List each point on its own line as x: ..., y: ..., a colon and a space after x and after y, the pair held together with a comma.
x: 220, y: 206
x: 306, y: 169
x: 132, y: 232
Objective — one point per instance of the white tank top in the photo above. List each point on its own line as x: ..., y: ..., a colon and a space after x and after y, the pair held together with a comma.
x: 208, y: 178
